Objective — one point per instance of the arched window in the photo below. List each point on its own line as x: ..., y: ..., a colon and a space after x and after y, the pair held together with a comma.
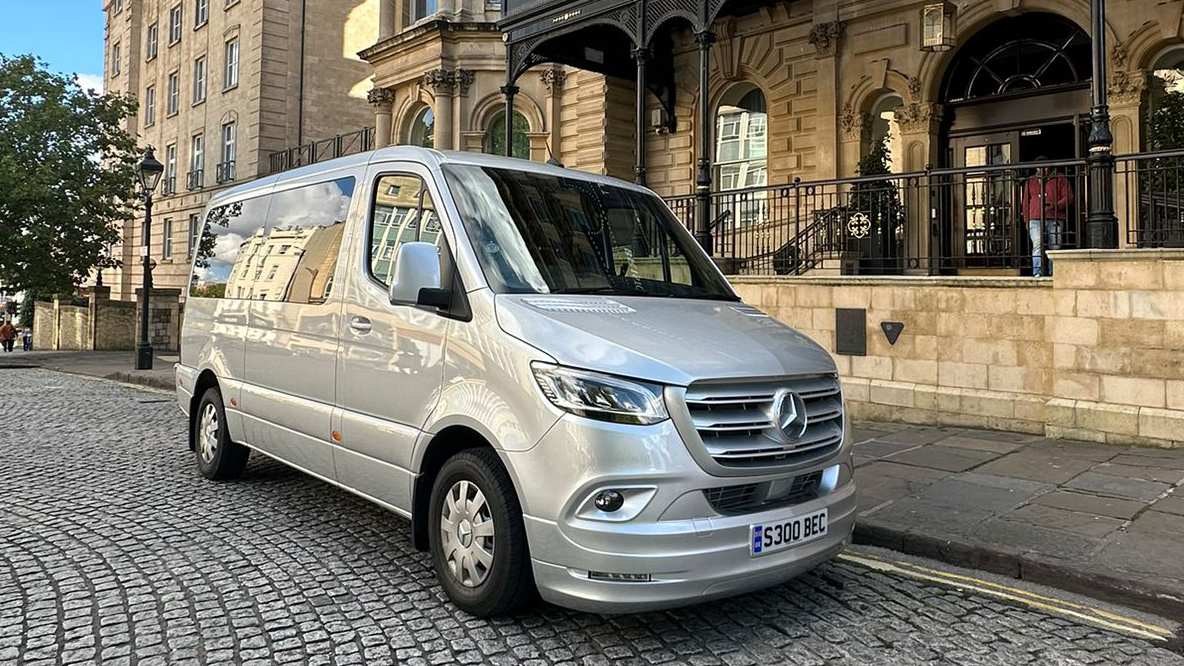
x: 886, y: 131
x: 419, y: 133
x: 1165, y: 102
x: 494, y: 141
x: 741, y: 138
x: 1029, y: 52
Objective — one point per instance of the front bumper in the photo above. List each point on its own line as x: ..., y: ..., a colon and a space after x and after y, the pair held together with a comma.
x: 667, y: 531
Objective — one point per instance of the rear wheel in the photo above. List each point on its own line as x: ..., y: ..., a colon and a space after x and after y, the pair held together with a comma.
x: 217, y: 456
x: 477, y: 537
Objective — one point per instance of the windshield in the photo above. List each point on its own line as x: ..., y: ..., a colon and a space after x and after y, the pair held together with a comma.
x: 538, y: 233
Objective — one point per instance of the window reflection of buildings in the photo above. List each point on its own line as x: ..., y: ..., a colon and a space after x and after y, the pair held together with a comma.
x: 293, y: 264
x: 397, y: 220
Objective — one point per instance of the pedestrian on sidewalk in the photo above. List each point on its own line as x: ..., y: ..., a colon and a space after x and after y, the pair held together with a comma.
x: 1046, y: 198
x: 27, y: 339
x: 7, y: 335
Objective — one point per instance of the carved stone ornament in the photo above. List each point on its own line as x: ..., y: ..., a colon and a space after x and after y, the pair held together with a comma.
x: 464, y: 80
x: 553, y: 79
x: 854, y: 125
x: 918, y: 118
x: 381, y: 98
x: 914, y: 84
x: 1126, y: 88
x: 824, y: 37
x: 440, y: 80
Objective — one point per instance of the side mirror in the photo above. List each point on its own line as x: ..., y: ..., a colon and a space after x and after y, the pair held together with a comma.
x: 417, y: 276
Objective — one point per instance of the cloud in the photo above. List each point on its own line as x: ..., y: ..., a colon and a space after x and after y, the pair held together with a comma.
x: 312, y: 206
x: 91, y: 82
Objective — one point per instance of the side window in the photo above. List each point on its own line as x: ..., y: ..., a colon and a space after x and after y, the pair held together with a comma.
x: 296, y: 260
x: 403, y: 212
x: 227, y: 239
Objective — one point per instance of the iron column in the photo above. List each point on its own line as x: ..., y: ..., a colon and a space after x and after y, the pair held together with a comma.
x: 1101, y: 223
x: 704, y: 39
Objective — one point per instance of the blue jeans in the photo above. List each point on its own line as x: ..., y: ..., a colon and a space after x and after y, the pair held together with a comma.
x: 1052, y: 234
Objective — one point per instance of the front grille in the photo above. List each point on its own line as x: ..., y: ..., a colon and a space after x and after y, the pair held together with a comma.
x: 736, y: 425
x: 753, y: 497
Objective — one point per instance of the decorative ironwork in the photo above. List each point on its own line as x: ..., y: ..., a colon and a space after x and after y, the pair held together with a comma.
x: 325, y: 149
x: 858, y: 225
x: 224, y: 172
x: 194, y: 180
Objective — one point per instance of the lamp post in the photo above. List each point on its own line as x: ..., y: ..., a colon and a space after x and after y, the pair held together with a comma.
x: 1101, y: 223
x: 149, y: 171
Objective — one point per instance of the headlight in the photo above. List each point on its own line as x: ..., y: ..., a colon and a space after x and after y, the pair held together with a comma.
x: 598, y: 396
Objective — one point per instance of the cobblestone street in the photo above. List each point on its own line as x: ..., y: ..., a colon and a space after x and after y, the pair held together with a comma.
x: 114, y: 550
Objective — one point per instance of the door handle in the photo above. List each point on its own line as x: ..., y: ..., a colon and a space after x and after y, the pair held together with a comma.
x: 360, y: 325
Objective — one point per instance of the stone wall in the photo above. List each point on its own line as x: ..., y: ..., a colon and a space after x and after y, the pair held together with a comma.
x: 164, y: 319
x: 73, y: 327
x: 44, y: 325
x: 1095, y: 353
x: 115, y: 326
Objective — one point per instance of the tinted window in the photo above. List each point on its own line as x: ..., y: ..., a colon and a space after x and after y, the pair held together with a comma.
x: 403, y: 212
x: 227, y: 230
x: 291, y: 257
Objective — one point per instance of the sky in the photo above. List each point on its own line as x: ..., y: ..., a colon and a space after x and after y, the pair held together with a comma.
x: 66, y: 34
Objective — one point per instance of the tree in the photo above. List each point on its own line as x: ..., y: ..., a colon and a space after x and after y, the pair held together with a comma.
x: 67, y: 173
x: 879, y: 200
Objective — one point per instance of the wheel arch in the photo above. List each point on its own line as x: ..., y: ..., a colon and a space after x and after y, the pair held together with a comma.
x: 205, y: 380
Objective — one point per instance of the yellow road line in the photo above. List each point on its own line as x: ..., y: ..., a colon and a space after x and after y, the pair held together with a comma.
x: 1095, y: 616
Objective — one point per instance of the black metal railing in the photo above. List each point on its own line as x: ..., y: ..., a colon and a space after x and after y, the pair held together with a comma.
x: 224, y: 172
x: 195, y: 179
x: 1149, y: 198
x: 326, y: 149
x: 168, y: 185
x: 930, y: 222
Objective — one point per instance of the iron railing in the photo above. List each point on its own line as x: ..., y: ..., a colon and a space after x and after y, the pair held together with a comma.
x: 195, y: 179
x: 326, y: 149
x: 168, y: 185
x: 224, y: 172
x: 930, y: 222
x: 1149, y: 198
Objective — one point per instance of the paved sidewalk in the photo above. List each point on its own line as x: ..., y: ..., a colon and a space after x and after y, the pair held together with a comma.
x: 117, y: 365
x: 1105, y: 521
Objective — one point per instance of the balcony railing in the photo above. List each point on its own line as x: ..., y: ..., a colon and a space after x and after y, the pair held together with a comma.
x: 930, y: 222
x: 168, y: 185
x: 224, y: 172
x: 1149, y: 196
x: 195, y: 179
x: 325, y: 149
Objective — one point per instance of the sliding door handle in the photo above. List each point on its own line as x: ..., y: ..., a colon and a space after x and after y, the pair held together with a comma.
x: 360, y: 325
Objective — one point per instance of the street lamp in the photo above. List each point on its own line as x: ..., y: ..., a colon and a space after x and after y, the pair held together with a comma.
x: 1101, y: 222
x: 149, y: 172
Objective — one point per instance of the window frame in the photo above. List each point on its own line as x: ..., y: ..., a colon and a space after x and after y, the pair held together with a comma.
x: 152, y: 42
x: 200, y: 83
x: 150, y: 105
x: 230, y: 70
x: 116, y: 57
x: 201, y: 13
x: 176, y: 21
x: 172, y: 103
x: 166, y: 239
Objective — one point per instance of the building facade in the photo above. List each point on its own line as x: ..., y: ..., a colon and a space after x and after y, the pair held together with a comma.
x: 771, y: 106
x: 221, y: 86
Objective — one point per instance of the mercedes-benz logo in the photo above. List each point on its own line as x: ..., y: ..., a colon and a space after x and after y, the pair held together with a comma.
x: 788, y: 415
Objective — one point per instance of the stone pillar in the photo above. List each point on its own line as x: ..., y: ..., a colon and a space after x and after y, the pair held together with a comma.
x: 553, y: 80
x: 94, y: 295
x: 919, y: 125
x: 442, y: 82
x: 1126, y: 100
x: 825, y: 38
x: 386, y: 19
x: 383, y: 100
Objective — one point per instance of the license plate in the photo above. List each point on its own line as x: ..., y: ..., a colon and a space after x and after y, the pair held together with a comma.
x: 771, y: 537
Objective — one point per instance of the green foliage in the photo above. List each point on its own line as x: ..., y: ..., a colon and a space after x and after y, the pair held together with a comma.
x: 1166, y: 126
x: 27, y: 308
x: 217, y: 290
x: 878, y: 198
x: 67, y: 170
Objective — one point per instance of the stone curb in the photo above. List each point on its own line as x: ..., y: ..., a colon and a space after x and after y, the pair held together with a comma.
x: 1138, y: 593
x: 162, y: 383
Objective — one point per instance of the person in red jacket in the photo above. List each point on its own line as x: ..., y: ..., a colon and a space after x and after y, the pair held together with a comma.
x: 1045, y: 201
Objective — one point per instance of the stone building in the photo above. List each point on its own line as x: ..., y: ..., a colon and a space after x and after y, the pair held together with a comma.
x: 222, y: 85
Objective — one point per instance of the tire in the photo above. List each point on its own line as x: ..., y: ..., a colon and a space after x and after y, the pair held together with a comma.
x: 218, y: 458
x: 497, y: 578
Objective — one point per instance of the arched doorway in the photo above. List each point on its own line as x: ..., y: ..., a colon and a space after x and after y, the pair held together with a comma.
x: 1016, y: 91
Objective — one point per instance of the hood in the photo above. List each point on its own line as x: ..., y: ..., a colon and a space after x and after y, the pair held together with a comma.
x: 666, y: 340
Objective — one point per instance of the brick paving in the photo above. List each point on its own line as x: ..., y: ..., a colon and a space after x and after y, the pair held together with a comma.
x: 113, y: 550
x: 1077, y: 510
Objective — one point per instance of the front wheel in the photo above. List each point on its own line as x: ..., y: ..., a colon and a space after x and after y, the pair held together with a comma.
x: 217, y: 456
x: 477, y: 537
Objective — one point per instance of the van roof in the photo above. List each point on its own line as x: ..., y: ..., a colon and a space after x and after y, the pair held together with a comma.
x: 428, y: 156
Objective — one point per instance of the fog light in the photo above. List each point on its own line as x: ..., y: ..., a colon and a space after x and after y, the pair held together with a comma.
x: 609, y: 500
x: 619, y: 577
